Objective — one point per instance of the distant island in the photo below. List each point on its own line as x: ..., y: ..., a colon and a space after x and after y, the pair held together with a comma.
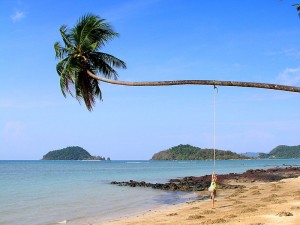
x: 71, y: 153
x: 189, y: 152
x: 251, y: 154
x: 282, y: 152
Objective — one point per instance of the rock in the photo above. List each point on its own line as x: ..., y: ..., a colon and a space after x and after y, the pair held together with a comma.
x: 284, y: 213
x: 202, y: 183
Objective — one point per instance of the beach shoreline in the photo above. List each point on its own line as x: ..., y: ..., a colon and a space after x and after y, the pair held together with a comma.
x: 270, y: 200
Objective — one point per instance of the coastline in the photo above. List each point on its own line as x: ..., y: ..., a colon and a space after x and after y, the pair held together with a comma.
x: 82, y: 193
x: 259, y: 202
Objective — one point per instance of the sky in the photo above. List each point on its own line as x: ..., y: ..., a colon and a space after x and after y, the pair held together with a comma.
x: 249, y: 40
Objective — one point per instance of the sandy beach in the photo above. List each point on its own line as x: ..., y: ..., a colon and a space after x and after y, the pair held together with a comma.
x: 258, y: 203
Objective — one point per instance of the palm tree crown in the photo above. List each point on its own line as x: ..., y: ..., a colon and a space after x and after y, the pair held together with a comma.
x: 80, y: 56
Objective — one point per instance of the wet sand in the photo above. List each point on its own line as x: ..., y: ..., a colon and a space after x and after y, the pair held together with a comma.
x: 258, y: 203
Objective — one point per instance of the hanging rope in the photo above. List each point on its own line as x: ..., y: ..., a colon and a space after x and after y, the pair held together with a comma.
x: 215, y: 92
x: 213, y: 186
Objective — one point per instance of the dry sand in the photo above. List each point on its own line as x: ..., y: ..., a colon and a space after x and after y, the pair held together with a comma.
x: 260, y: 203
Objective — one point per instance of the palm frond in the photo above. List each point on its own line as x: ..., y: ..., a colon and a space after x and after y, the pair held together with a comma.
x: 110, y: 59
x: 65, y: 86
x: 87, y: 89
x: 105, y: 69
x: 66, y: 36
x: 66, y: 76
x: 92, y: 32
x: 60, y: 52
x: 297, y: 8
x: 86, y: 26
x: 106, y: 33
x: 103, y: 63
x: 79, y: 54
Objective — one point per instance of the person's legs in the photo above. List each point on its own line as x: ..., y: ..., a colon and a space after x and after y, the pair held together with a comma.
x: 213, y: 194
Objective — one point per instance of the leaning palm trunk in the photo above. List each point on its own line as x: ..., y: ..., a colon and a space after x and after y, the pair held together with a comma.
x: 81, y: 61
x: 198, y: 82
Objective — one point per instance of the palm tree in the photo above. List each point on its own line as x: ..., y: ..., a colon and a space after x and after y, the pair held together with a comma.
x: 80, y: 62
x: 80, y: 57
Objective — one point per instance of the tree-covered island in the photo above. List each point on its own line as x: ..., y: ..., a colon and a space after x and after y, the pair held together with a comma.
x: 188, y: 152
x: 71, y: 153
x: 282, y: 152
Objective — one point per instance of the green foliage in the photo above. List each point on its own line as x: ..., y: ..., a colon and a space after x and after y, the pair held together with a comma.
x: 188, y: 152
x: 283, y: 151
x: 80, y: 54
x: 262, y: 155
x: 71, y: 153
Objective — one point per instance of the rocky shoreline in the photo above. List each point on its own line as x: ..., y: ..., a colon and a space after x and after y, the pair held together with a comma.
x: 201, y: 183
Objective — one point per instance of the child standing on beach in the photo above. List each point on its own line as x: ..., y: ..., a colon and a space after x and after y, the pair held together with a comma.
x: 213, y: 189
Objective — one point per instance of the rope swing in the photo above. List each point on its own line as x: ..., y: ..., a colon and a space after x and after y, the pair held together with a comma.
x: 215, y: 92
x: 213, y: 186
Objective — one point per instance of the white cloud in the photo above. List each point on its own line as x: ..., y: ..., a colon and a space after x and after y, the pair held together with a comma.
x: 289, y: 52
x: 290, y: 76
x: 17, y: 16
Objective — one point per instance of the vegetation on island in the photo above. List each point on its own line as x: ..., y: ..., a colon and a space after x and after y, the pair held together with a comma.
x: 251, y: 154
x: 282, y: 152
x: 189, y: 152
x: 71, y: 153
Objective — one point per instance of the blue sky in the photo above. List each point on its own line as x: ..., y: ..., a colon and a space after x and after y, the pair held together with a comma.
x: 249, y: 40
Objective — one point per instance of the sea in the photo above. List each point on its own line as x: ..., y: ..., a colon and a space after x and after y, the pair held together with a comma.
x: 42, y: 192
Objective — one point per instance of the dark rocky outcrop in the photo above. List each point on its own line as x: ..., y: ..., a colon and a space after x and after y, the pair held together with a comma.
x: 202, y: 183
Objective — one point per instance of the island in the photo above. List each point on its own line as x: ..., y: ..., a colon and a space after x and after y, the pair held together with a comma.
x: 71, y: 153
x: 189, y: 152
x: 282, y: 152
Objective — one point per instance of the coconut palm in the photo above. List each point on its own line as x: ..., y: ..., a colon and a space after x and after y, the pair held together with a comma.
x: 81, y: 64
x: 80, y: 56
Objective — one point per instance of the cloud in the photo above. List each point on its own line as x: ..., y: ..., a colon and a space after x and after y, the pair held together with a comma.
x: 17, y: 16
x: 290, y: 76
x: 290, y: 52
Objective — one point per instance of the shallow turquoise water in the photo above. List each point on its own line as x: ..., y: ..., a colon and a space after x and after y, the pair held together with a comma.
x: 47, y: 192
